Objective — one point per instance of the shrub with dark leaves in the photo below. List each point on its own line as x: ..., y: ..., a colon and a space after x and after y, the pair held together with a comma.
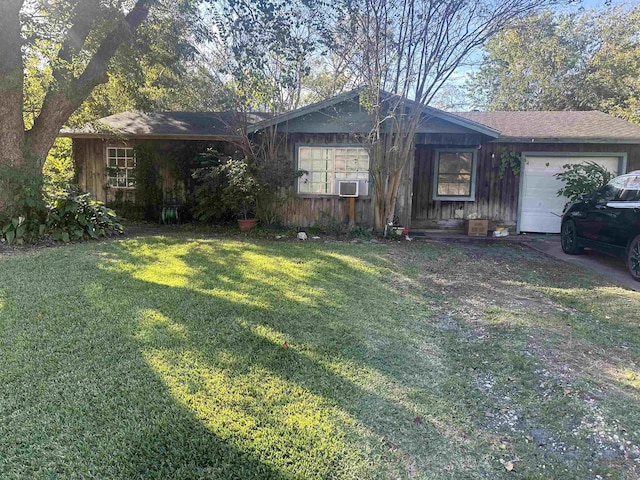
x: 80, y: 217
x: 67, y: 217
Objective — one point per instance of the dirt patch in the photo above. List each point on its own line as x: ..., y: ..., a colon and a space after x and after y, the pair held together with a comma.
x: 495, y: 294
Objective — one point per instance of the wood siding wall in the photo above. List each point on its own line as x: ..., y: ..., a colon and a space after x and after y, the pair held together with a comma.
x: 89, y: 156
x: 90, y: 166
x: 496, y: 198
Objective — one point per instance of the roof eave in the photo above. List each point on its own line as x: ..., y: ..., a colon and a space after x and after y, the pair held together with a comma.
x: 566, y: 140
x: 138, y: 136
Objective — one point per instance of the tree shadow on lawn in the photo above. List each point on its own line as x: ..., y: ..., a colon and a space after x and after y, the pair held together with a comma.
x: 181, y: 446
x: 229, y: 323
x: 390, y: 354
x: 313, y: 408
x: 205, y: 321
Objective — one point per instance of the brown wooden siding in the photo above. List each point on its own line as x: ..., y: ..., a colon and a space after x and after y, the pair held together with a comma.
x: 90, y: 165
x: 496, y: 198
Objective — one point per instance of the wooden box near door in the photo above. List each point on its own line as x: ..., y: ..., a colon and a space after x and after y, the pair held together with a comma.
x: 476, y: 228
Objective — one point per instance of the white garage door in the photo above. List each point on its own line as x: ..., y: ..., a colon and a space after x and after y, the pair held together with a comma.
x: 540, y: 207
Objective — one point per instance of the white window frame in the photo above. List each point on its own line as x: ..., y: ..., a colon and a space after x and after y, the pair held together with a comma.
x: 473, y: 175
x: 332, y: 172
x: 122, y: 172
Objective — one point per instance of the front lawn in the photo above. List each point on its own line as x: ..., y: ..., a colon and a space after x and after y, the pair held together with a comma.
x: 191, y: 357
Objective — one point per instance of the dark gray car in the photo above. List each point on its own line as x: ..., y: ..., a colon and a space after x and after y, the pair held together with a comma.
x: 607, y: 220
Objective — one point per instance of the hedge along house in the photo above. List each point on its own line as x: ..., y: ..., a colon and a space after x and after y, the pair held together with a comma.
x: 455, y: 173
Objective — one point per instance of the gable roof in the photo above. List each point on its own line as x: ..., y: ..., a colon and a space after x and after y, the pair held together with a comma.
x: 353, y: 95
x: 188, y: 125
x: 557, y: 126
x: 501, y: 126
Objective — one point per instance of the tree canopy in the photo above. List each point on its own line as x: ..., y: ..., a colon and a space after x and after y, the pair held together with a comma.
x: 549, y: 61
x: 70, y: 61
x: 410, y: 49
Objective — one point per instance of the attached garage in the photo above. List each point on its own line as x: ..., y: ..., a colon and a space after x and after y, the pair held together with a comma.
x: 539, y: 206
x: 525, y: 199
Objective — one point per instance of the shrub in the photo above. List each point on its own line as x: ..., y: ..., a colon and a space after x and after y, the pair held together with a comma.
x: 128, y: 210
x: 225, y: 189
x: 209, y: 184
x: 582, y: 179
x: 148, y: 192
x: 67, y: 217
x: 78, y: 217
x: 271, y: 205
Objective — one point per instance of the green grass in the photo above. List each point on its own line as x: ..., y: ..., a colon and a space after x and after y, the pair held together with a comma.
x: 165, y: 357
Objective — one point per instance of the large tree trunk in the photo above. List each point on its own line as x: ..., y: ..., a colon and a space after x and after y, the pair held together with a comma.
x: 22, y: 154
x: 11, y: 85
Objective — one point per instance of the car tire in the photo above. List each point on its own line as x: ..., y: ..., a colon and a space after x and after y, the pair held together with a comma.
x: 569, y: 238
x: 633, y: 258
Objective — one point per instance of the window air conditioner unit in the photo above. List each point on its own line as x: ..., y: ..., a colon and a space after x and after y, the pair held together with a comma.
x: 348, y: 188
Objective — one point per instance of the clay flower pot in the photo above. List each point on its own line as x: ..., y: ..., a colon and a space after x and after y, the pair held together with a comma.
x: 247, y: 224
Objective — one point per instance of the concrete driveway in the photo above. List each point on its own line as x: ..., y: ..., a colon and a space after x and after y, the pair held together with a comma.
x: 610, y: 267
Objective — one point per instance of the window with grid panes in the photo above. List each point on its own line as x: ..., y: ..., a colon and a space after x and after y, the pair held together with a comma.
x: 324, y: 166
x: 121, y: 165
x: 454, y: 175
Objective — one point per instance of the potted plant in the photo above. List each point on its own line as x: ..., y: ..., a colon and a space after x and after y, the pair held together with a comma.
x: 241, y: 192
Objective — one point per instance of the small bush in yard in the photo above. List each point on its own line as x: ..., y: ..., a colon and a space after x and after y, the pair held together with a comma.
x: 67, y: 217
x: 78, y: 217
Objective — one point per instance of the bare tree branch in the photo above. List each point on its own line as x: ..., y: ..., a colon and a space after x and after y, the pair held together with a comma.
x: 410, y: 48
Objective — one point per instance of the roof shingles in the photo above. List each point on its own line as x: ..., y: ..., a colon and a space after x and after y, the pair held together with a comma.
x: 530, y: 126
x: 169, y: 124
x: 556, y: 126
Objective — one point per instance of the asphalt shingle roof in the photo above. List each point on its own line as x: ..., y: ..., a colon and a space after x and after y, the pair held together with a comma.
x: 556, y: 126
x: 549, y: 126
x: 169, y: 124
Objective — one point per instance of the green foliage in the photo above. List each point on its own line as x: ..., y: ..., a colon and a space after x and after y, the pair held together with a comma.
x: 276, y: 177
x: 58, y: 169
x: 79, y: 217
x: 128, y: 210
x: 269, y: 47
x: 148, y: 192
x: 510, y: 160
x: 582, y: 179
x: 270, y: 206
x: 160, y: 69
x: 21, y: 189
x: 564, y: 61
x: 21, y: 229
x: 361, y: 232
x: 68, y: 217
x: 241, y: 191
x: 328, y: 224
x: 226, y: 188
